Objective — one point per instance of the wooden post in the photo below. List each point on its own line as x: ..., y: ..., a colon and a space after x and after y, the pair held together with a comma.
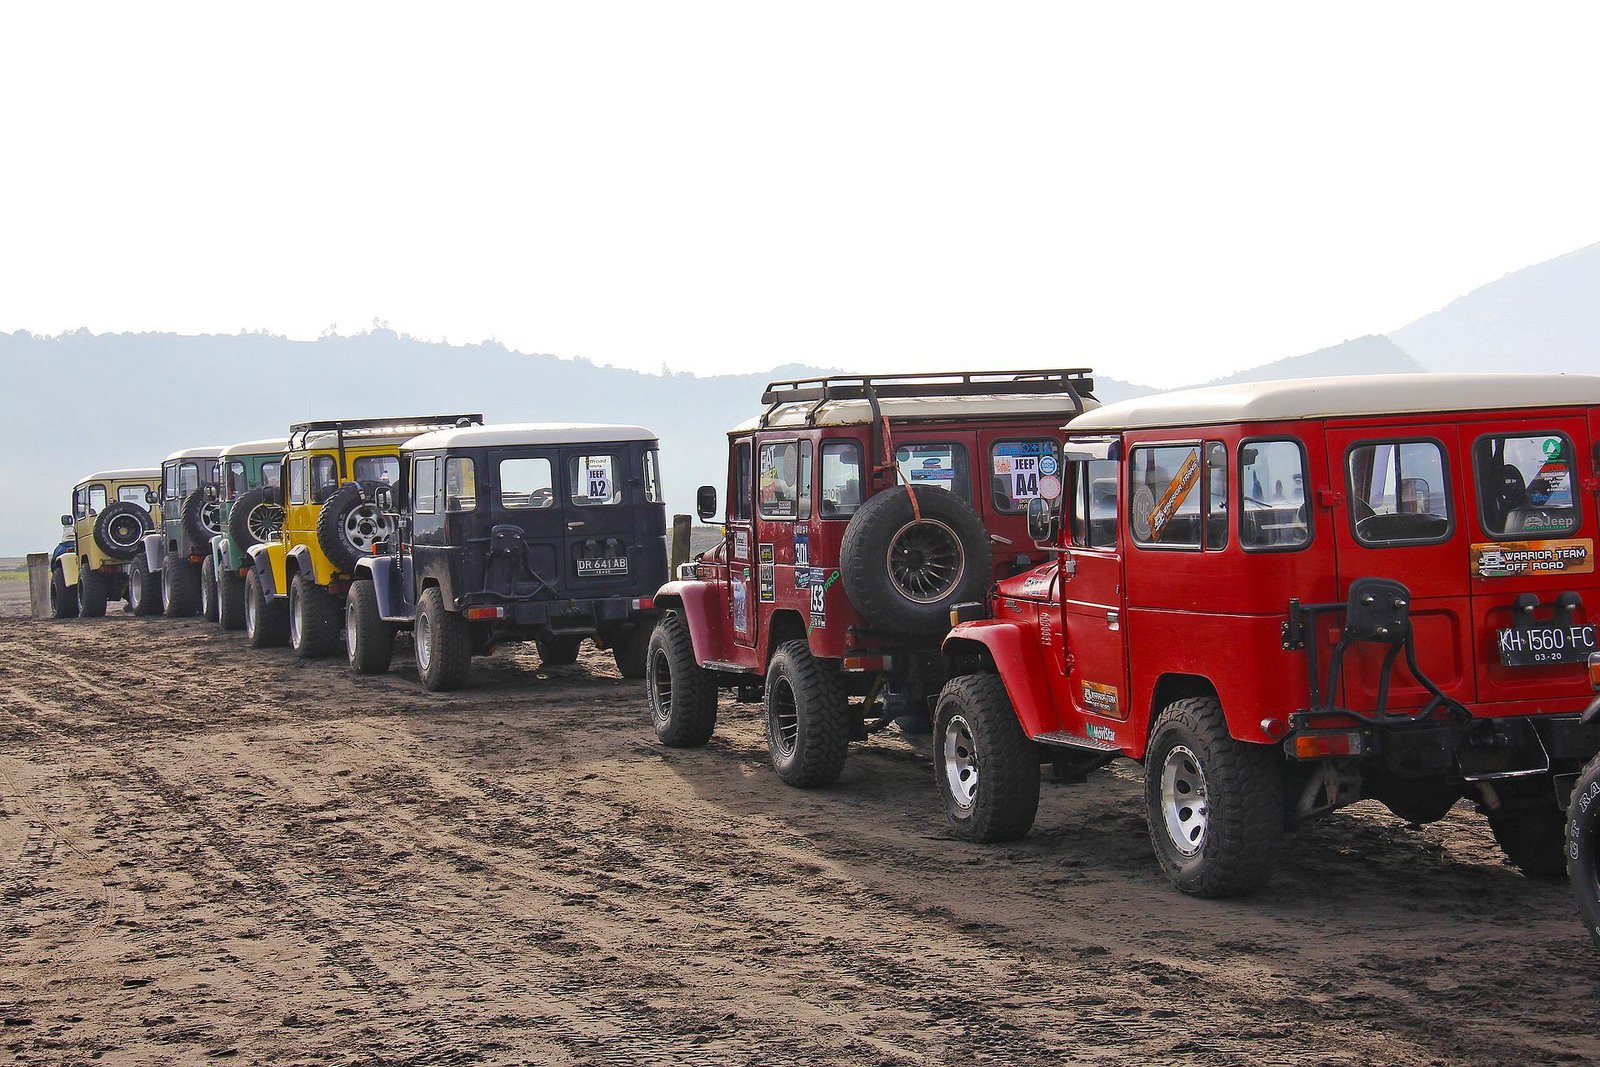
x: 39, y: 584
x: 682, y: 526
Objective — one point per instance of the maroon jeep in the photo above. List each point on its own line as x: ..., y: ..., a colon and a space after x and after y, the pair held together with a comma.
x: 860, y: 510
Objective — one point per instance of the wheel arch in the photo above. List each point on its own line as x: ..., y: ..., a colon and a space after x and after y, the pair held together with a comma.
x: 784, y: 625
x: 1007, y: 652
x: 1174, y: 686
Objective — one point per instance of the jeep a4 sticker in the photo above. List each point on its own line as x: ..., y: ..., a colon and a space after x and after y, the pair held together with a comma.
x: 1516, y: 559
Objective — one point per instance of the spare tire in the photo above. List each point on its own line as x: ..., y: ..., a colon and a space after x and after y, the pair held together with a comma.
x: 255, y: 516
x: 200, y: 518
x: 119, y: 528
x: 904, y: 576
x: 350, y: 525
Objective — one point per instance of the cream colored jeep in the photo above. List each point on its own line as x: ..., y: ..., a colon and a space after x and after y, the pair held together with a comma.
x: 111, y: 513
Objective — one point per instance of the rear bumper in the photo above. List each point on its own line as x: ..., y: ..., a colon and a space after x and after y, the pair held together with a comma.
x: 564, y: 616
x: 1509, y: 746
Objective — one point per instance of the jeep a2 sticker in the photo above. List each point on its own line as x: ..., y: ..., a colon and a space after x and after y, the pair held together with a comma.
x: 599, y: 477
x: 1102, y: 699
x: 1518, y: 559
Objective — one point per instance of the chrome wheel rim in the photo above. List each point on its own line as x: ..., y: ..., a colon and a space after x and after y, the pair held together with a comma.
x: 166, y: 589
x: 135, y: 588
x: 661, y: 687
x: 350, y: 632
x: 926, y: 561
x: 295, y: 604
x: 423, y: 638
x: 209, y: 517
x: 124, y: 531
x: 264, y: 520
x: 208, y: 595
x: 960, y: 762
x: 249, y: 614
x: 364, y: 527
x: 783, y: 717
x: 1185, y: 803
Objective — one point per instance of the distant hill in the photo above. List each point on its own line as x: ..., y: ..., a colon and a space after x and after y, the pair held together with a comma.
x: 1364, y: 355
x: 1545, y: 317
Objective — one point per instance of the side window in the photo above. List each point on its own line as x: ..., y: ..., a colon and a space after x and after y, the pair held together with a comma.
x: 385, y: 469
x: 324, y: 476
x: 272, y: 474
x: 739, y: 506
x: 297, y: 481
x: 132, y: 494
x: 841, y: 480
x: 1094, y: 504
x: 1164, y: 494
x: 169, y: 481
x: 1017, y: 467
x: 1216, y: 495
x: 237, y: 481
x: 1525, y: 485
x: 1272, y: 496
x: 935, y: 464
x: 80, y: 503
x: 525, y: 483
x: 1399, y: 493
x: 594, y: 480
x: 97, y: 498
x: 652, y: 477
x: 424, y: 485
x: 778, y: 487
x: 188, y: 478
x: 460, y: 484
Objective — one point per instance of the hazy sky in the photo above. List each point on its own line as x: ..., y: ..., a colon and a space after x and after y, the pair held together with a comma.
x: 1165, y: 191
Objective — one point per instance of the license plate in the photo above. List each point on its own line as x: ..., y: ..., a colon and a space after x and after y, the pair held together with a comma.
x: 603, y: 566
x: 1535, y: 646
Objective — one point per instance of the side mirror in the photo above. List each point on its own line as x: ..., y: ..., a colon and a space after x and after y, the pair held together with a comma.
x: 1041, y: 521
x: 66, y: 520
x: 383, y: 497
x: 210, y: 490
x: 150, y: 497
x: 705, y: 502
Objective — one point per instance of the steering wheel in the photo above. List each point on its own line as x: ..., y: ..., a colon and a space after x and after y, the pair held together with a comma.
x: 542, y: 498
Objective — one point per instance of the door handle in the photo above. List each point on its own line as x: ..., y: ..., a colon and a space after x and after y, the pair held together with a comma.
x: 575, y: 524
x: 1113, y: 618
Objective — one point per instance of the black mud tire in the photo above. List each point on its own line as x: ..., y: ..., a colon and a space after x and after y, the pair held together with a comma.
x: 1583, y: 848
x: 120, y: 528
x: 630, y: 652
x: 985, y: 767
x: 313, y: 619
x: 194, y: 511
x: 1533, y: 834
x: 335, y: 542
x: 230, y: 600
x: 807, y: 717
x: 897, y: 586
x: 255, y: 513
x: 93, y: 590
x: 368, y: 640
x: 266, y: 619
x: 1235, y: 835
x: 63, y: 597
x: 144, y: 588
x: 682, y: 694
x: 208, y: 590
x: 180, y: 588
x: 559, y: 650
x: 443, y: 643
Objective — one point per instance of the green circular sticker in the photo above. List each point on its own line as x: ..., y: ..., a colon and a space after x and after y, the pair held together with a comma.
x: 1552, y: 448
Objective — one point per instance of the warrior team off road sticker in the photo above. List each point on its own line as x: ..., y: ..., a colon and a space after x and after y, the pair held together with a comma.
x: 1518, y: 559
x: 1103, y: 699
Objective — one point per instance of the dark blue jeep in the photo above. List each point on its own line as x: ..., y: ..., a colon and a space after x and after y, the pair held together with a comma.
x: 534, y: 532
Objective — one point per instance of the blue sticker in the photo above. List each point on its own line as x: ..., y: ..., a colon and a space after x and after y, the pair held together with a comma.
x: 1047, y: 464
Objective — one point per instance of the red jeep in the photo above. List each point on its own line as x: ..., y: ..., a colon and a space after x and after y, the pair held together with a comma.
x: 860, y: 509
x: 1284, y: 597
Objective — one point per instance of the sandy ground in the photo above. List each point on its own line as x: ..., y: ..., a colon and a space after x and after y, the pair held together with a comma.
x: 208, y: 852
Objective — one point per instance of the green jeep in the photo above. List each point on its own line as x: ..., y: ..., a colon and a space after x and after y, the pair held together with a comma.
x: 249, y: 512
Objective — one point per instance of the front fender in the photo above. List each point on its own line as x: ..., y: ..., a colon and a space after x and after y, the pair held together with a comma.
x: 68, y: 561
x: 219, y: 553
x: 1020, y: 664
x: 300, y: 555
x: 380, y: 570
x: 269, y: 572
x: 155, y: 551
x: 702, y: 608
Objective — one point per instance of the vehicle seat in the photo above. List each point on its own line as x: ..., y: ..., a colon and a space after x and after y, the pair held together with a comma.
x: 1506, y: 493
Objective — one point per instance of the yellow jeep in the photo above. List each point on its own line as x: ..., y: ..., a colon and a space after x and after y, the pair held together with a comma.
x: 295, y: 590
x: 100, y: 555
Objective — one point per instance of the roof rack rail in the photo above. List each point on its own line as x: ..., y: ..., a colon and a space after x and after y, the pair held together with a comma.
x: 1076, y: 383
x: 410, y: 425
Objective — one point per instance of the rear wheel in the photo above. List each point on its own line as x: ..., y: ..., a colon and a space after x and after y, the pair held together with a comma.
x: 808, y: 718
x: 313, y: 619
x: 683, y: 695
x: 986, y: 768
x: 180, y: 588
x: 266, y: 619
x: 443, y: 643
x: 208, y: 589
x: 559, y: 650
x: 230, y: 600
x: 63, y: 597
x: 1215, y: 805
x: 369, y: 641
x: 92, y: 589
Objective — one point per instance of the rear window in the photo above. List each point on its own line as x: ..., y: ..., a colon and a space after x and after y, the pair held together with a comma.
x: 385, y: 469
x: 1018, y: 466
x: 594, y: 480
x: 1525, y: 485
x: 271, y: 473
x: 652, y: 477
x: 938, y: 464
x: 1272, y: 496
x: 525, y: 483
x: 1399, y: 493
x: 132, y: 494
x: 840, y: 483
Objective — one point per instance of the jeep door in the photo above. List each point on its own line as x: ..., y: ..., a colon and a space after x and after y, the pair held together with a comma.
x: 525, y: 492
x: 743, y: 596
x: 605, y: 511
x: 424, y: 541
x: 1400, y: 514
x: 1091, y: 655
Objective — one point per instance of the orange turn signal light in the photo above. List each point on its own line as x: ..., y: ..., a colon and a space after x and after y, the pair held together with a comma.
x: 1594, y: 669
x: 479, y: 614
x: 1321, y: 746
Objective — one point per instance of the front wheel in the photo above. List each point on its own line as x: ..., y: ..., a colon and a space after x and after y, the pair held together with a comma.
x: 1214, y: 804
x: 683, y: 695
x: 230, y: 600
x: 986, y: 768
x: 266, y: 619
x: 369, y: 641
x: 180, y: 588
x: 1583, y: 848
x: 808, y: 718
x: 443, y: 641
x: 313, y: 619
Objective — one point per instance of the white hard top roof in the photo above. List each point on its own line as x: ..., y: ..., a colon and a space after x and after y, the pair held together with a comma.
x: 267, y: 446
x: 205, y: 452
x: 128, y: 474
x: 1357, y: 394
x: 530, y: 433
x: 328, y: 439
x: 858, y: 412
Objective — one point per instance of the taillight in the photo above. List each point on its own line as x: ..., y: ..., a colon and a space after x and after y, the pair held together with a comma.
x: 1594, y: 669
x: 1321, y: 746
x: 479, y: 614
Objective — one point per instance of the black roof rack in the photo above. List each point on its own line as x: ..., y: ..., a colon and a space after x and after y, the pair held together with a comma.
x: 390, y: 426
x: 1075, y: 383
